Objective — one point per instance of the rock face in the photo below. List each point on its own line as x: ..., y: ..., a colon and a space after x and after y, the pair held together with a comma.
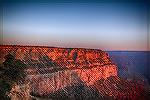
x: 20, y: 93
x: 51, y: 69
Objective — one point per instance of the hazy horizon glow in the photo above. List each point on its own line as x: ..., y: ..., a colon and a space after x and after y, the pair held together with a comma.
x: 106, y: 26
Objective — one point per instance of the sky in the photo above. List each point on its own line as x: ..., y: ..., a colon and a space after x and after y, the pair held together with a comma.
x: 106, y: 26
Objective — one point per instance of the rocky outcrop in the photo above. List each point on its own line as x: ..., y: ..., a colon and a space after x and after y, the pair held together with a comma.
x: 20, y: 92
x: 120, y: 89
x: 51, y: 69
x: 50, y: 82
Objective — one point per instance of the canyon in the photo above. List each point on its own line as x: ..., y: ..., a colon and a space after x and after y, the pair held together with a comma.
x: 50, y: 69
x: 76, y: 73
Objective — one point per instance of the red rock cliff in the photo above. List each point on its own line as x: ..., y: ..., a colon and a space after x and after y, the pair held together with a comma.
x: 53, y: 68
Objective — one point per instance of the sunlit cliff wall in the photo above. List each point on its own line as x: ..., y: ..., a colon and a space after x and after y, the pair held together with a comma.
x: 50, y: 69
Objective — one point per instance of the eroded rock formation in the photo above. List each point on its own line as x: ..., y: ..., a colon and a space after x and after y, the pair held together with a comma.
x: 51, y: 69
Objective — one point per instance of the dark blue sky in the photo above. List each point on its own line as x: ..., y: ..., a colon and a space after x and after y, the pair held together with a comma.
x: 108, y: 26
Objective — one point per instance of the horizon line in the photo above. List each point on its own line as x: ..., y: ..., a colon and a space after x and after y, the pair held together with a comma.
x: 45, y: 46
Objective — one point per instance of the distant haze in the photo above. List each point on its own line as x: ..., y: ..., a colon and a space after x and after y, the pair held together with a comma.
x: 106, y: 26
